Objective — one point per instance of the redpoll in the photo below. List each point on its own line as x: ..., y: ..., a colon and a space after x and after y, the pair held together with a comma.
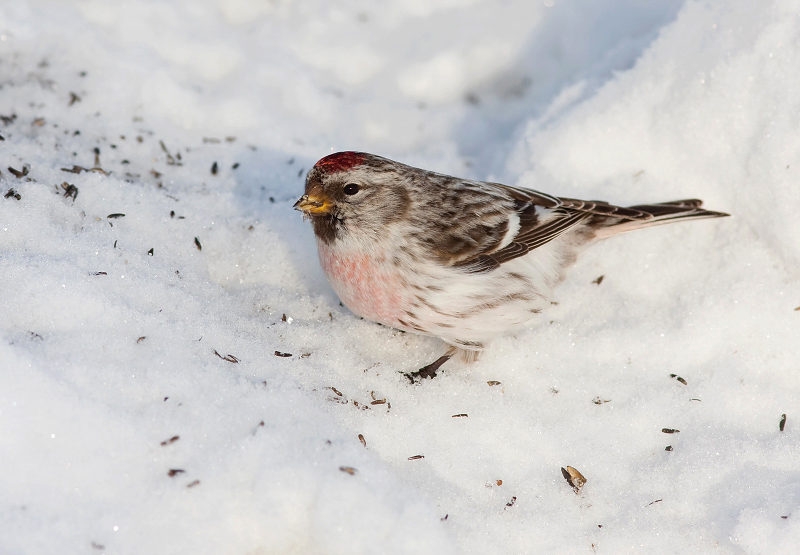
x: 453, y: 258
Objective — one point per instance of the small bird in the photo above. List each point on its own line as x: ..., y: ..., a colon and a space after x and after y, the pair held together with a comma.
x: 461, y: 260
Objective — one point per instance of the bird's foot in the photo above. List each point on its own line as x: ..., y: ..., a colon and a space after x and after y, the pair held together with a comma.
x: 428, y: 371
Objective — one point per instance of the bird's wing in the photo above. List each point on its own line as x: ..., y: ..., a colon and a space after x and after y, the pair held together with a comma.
x: 541, y: 218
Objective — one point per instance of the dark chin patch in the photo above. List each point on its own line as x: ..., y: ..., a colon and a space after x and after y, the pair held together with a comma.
x: 326, y: 227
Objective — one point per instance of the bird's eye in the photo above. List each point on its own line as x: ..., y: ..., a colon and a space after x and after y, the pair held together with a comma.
x: 350, y: 189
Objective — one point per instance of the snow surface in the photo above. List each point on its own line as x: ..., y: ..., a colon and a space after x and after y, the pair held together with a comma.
x: 109, y: 350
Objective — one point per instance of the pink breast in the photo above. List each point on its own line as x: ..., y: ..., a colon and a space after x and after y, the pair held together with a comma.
x: 365, y: 284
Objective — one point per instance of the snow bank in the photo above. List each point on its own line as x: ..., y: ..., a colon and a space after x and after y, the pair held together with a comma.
x: 120, y: 333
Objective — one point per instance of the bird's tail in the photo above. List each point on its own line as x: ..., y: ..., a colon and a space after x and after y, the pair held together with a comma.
x: 657, y: 214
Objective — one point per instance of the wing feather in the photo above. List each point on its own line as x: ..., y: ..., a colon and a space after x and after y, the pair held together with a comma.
x: 543, y: 218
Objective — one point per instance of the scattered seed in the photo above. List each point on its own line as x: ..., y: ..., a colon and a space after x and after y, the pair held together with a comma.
x: 214, y: 168
x: 142, y: 338
x: 228, y: 358
x: 599, y: 280
x: 599, y: 401
x: 493, y: 382
x: 796, y: 309
x: 783, y: 422
x: 16, y: 173
x: 174, y: 472
x: 11, y: 193
x: 362, y: 440
x: 283, y: 318
x: 98, y: 546
x: 100, y: 274
x: 79, y: 169
x: 171, y: 213
x: 197, y: 243
x: 70, y: 190
x: 284, y: 355
x: 415, y: 457
x: 38, y: 122
x: 193, y: 484
x: 574, y: 478
x: 669, y: 430
x: 348, y: 469
x: 171, y: 440
x: 339, y: 393
x: 115, y: 216
x: 170, y: 160
x: 696, y: 400
x: 378, y: 402
x: 236, y: 165
x: 785, y: 517
x: 511, y: 503
x: 677, y: 377
x: 460, y: 415
x: 115, y: 243
x: 668, y: 448
x: 73, y: 98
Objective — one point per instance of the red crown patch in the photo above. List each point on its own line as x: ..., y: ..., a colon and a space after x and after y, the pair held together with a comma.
x: 340, y: 161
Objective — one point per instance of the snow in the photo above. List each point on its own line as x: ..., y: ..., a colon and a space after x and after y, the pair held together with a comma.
x: 107, y: 351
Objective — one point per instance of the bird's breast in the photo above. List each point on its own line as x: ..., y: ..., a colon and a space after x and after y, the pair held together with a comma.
x: 367, y: 283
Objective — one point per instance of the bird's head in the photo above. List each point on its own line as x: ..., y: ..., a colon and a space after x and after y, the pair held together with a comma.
x: 354, y: 192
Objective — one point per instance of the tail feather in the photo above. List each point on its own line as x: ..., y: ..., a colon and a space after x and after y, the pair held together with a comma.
x: 688, y: 203
x: 660, y: 213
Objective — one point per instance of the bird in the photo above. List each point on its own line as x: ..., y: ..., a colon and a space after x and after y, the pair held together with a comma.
x: 457, y: 259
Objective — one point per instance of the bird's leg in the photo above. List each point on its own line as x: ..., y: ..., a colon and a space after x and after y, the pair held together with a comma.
x: 429, y: 371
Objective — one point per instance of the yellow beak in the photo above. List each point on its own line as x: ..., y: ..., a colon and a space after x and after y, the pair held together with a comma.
x: 311, y: 204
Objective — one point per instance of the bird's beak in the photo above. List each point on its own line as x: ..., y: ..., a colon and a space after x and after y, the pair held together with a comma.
x: 314, y: 204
